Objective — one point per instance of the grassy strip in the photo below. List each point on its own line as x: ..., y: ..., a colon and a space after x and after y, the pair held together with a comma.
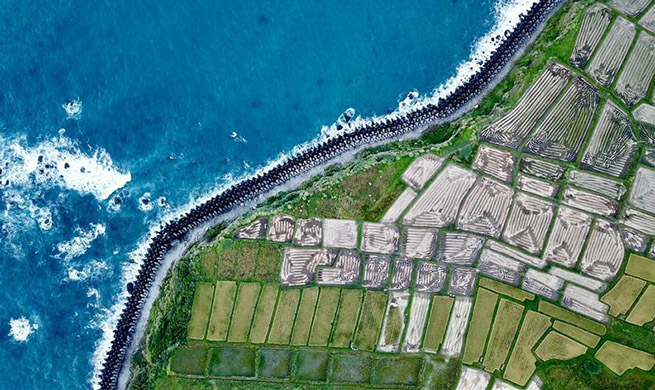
x: 572, y: 318
x: 556, y: 346
x: 264, y: 313
x: 437, y: 322
x: 304, y: 317
x: 200, y: 311
x: 586, y: 338
x: 351, y: 301
x: 370, y: 320
x: 521, y: 364
x: 506, y: 289
x: 623, y: 295
x: 287, y: 304
x: 502, y: 335
x: 219, y: 322
x: 393, y: 327
x: 326, y: 308
x: 641, y: 267
x: 620, y: 358
x: 644, y: 310
x: 243, y: 312
x: 483, y: 313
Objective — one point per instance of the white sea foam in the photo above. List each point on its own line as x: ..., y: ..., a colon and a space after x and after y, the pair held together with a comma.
x: 92, y: 270
x: 145, y: 203
x: 506, y: 17
x: 78, y: 245
x: 73, y: 108
x: 21, y: 328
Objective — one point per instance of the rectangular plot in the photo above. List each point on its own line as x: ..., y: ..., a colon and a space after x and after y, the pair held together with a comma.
x: 430, y: 277
x: 648, y: 157
x: 528, y: 223
x: 556, y: 346
x: 452, y: 345
x: 399, y: 206
x: 462, y: 280
x: 648, y: 20
x: 328, y: 299
x: 299, y: 265
x: 200, y: 309
x: 612, y: 51
x: 633, y: 240
x: 486, y: 207
x: 619, y: 358
x: 644, y: 310
x: 630, y: 7
x: 645, y: 115
x: 394, y: 321
x: 506, y: 290
x: 595, y: 21
x: 376, y: 271
x: 459, y: 248
x: 418, y: 313
x: 285, y: 313
x: 370, y: 320
x: 577, y: 334
x: 500, y: 267
x: 643, y: 190
x: 543, y: 284
x: 309, y: 232
x: 473, y: 379
x: 253, y: 231
x: 476, y: 338
x: 516, y: 254
x: 281, y: 228
x: 541, y: 168
x: 437, y: 322
x: 219, y: 322
x: 580, y: 280
x: 585, y: 302
x: 639, y: 220
x: 589, y: 202
x: 511, y: 129
x: 611, y: 188
x: 536, y: 186
x: 495, y: 162
x: 346, y: 320
x: 263, y: 313
x: 561, y: 134
x: 605, y: 251
x: 344, y: 272
x: 641, y: 267
x: 379, y: 238
x: 521, y: 363
x: 421, y: 170
x: 402, y: 274
x: 305, y: 316
x: 339, y: 233
x: 567, y: 237
x: 418, y: 243
x: 437, y: 206
x: 502, y: 334
x: 244, y: 308
x: 638, y: 72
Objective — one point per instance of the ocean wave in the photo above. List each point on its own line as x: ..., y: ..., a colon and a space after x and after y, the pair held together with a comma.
x: 94, y: 269
x: 78, y: 245
x: 21, y: 328
x: 73, y: 109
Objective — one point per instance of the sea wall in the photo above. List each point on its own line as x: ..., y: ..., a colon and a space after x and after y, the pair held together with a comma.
x: 382, y: 130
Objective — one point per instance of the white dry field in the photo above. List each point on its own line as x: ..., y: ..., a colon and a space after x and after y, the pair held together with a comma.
x: 536, y: 186
x: 543, y: 284
x: 399, y: 206
x: 486, y: 207
x: 561, y: 134
x: 609, y: 187
x: 421, y: 170
x: 430, y: 276
x: 512, y: 129
x: 594, y: 23
x: 648, y: 20
x: 418, y: 313
x: 344, y: 272
x: 379, y: 237
x: 630, y: 7
x: 638, y: 72
x: 462, y: 280
x: 396, y: 305
x: 585, y: 302
x: 339, y: 233
x: 418, y: 243
x: 613, y: 145
x: 253, y: 231
x: 645, y: 113
x: 577, y: 279
x: 610, y: 55
x: 643, y: 190
x: 633, y: 239
x: 473, y: 379
x: 604, y: 253
x: 639, y: 220
x: 281, y: 228
x: 528, y: 223
x: 500, y: 267
x: 591, y: 203
x: 402, y: 274
x: 516, y: 254
x: 567, y: 237
x: 309, y: 232
x: 376, y: 271
x: 541, y: 168
x: 299, y: 265
x: 459, y: 318
x: 437, y: 206
x: 495, y: 162
x: 459, y: 248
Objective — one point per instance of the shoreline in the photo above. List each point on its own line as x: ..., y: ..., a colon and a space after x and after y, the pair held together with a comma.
x: 167, y: 246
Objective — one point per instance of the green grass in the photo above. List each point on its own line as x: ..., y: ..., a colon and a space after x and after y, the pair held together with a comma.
x: 587, y: 338
x: 219, y: 322
x: 370, y: 320
x: 437, y: 322
x: 620, y: 358
x: 232, y: 361
x: 200, y: 311
x: 351, y: 368
x: 502, y: 334
x: 587, y: 374
x: 244, y: 309
x: 393, y: 327
x: 312, y: 365
x: 631, y: 335
x: 644, y: 310
x: 556, y: 346
x: 623, y: 295
x: 328, y: 299
x: 242, y: 260
x: 572, y: 318
x: 476, y: 337
x: 264, y: 313
x: 303, y: 324
x: 641, y: 267
x: 403, y: 370
x: 275, y: 363
x: 506, y: 289
x: 521, y: 364
x: 346, y: 321
x: 285, y: 312
x: 190, y: 359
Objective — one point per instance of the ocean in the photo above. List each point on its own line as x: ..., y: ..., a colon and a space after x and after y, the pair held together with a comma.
x: 116, y: 114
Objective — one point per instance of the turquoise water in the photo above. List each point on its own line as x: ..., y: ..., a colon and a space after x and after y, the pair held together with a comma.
x: 162, y: 87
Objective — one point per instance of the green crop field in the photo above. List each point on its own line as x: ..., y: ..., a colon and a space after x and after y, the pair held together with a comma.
x: 244, y: 309
x: 620, y: 358
x: 502, y: 334
x: 521, y: 363
x: 190, y: 359
x: 370, y: 320
x: 644, y: 310
x: 393, y: 326
x: 572, y: 318
x: 328, y: 300
x: 303, y: 325
x: 200, y: 310
x: 404, y: 370
x: 483, y: 312
x: 556, y: 346
x: 351, y: 368
x: 263, y: 313
x: 232, y: 361
x: 347, y: 316
x: 506, y: 289
x: 641, y: 267
x: 623, y: 295
x: 587, y: 338
x: 275, y: 363
x: 437, y: 322
x: 283, y: 320
x: 219, y: 322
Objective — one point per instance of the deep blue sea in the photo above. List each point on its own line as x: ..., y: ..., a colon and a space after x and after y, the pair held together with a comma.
x: 115, y: 113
